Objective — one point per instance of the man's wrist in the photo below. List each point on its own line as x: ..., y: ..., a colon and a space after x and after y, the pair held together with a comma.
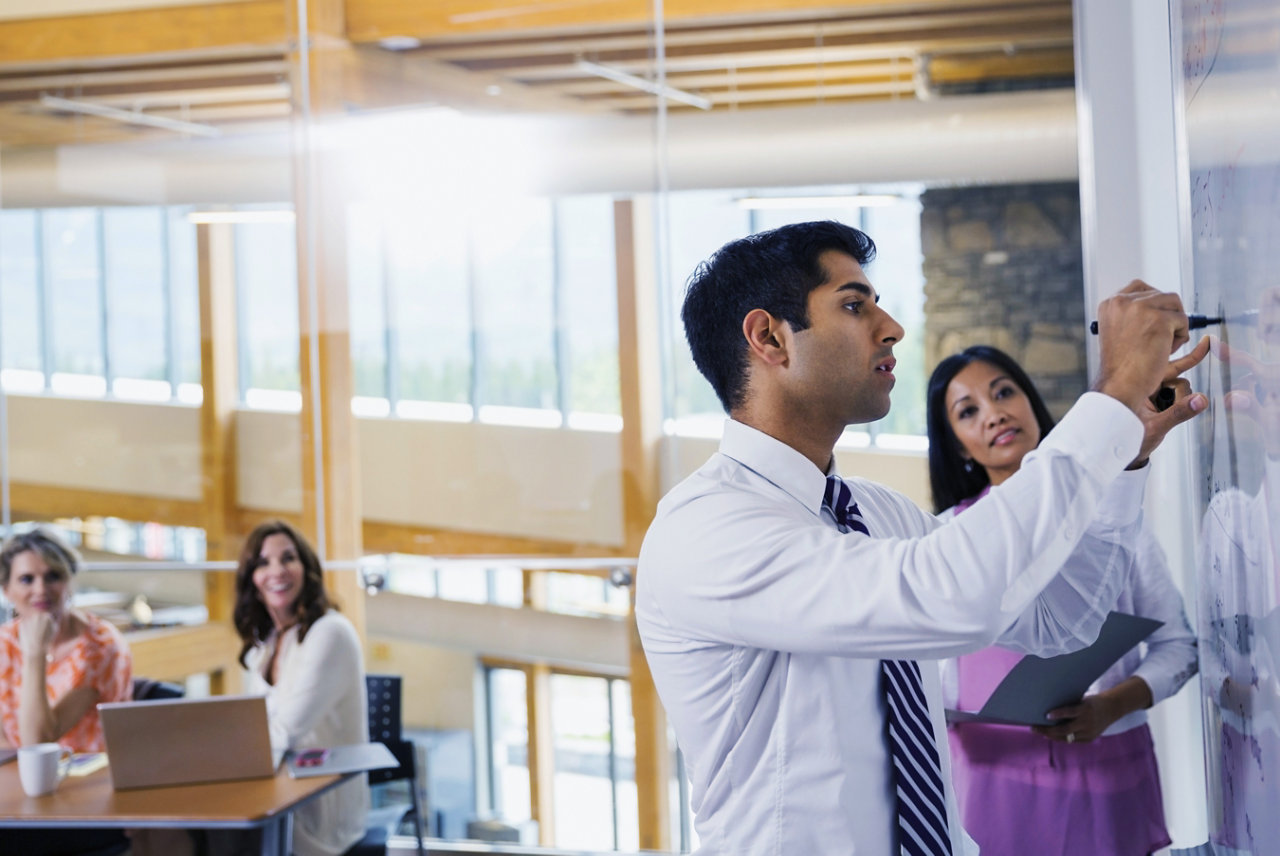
x: 1122, y: 393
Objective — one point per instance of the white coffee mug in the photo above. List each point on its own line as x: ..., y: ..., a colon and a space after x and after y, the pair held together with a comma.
x: 41, y: 767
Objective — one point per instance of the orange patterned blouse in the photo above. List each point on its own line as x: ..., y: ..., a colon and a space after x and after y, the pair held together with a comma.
x: 99, y: 658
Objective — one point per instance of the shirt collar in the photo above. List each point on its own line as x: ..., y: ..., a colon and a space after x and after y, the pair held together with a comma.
x: 777, y: 462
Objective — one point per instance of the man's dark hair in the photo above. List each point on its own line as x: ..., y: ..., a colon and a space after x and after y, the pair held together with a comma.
x: 773, y: 271
x: 948, y: 478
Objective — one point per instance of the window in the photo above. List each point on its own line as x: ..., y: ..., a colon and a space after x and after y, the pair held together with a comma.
x: 184, y: 299
x: 594, y: 781
x: 432, y: 349
x: 588, y: 311
x: 898, y: 275
x: 100, y: 300
x: 366, y: 279
x: 21, y: 327
x: 515, y: 309
x: 267, y: 309
x: 594, y: 756
x: 137, y: 301
x: 700, y: 222
x: 509, y: 316
x: 508, y: 718
x: 73, y: 281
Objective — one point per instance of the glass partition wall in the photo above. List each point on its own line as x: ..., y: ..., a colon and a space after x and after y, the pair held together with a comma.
x: 408, y: 276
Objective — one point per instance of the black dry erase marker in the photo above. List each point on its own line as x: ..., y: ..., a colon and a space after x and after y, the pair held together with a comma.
x: 1194, y: 322
x: 1165, y: 396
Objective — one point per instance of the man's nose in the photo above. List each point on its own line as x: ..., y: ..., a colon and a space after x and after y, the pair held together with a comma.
x: 892, y: 330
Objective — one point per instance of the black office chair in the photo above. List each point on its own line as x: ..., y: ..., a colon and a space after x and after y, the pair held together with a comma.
x: 385, y: 727
x: 145, y: 689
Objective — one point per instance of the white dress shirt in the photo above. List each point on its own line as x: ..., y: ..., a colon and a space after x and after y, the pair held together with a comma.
x: 1170, y: 657
x: 319, y: 701
x: 764, y: 625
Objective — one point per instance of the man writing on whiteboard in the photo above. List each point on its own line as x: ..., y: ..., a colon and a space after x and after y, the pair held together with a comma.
x: 783, y: 609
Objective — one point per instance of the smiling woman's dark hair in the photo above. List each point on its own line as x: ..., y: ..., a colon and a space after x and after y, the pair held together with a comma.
x: 948, y: 479
x: 252, y: 621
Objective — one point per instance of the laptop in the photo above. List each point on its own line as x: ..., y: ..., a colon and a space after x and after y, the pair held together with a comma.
x: 187, y: 741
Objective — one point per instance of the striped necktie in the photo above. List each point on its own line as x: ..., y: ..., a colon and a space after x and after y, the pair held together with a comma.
x: 917, y: 772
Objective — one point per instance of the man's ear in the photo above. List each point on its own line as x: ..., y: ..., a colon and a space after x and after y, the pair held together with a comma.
x: 767, y: 337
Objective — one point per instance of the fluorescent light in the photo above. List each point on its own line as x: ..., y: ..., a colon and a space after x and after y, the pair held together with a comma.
x: 668, y: 92
x: 250, y: 216
x: 399, y: 43
x: 129, y: 117
x: 856, y: 201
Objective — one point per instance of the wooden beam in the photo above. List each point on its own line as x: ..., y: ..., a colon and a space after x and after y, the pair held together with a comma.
x: 330, y: 457
x: 144, y: 31
x: 697, y: 81
x: 370, y: 20
x: 90, y: 82
x: 641, y: 399
x: 380, y: 537
x: 782, y: 54
x: 813, y: 91
x: 219, y: 377
x: 965, y: 68
x: 542, y: 752
x: 606, y: 45
x: 249, y: 518
x: 49, y: 501
x: 174, y: 654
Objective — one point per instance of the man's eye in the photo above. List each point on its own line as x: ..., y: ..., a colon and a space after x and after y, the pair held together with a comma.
x: 855, y: 307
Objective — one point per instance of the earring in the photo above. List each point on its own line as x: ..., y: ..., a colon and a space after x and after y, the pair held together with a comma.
x: 968, y: 465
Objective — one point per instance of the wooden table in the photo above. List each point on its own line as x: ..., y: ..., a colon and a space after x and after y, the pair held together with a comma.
x: 90, y: 801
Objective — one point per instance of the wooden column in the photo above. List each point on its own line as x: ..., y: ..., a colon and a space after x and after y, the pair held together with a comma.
x: 330, y: 472
x: 639, y: 365
x: 542, y: 755
x: 219, y: 377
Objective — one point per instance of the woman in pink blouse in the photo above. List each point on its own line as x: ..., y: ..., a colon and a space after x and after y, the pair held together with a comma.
x: 1088, y: 784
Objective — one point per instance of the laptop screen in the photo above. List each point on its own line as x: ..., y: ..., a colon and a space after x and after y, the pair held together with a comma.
x: 187, y: 741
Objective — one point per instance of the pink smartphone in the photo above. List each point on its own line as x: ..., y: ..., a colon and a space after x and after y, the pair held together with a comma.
x: 311, y: 757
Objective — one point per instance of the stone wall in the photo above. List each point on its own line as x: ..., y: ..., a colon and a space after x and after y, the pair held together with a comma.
x: 1002, y: 266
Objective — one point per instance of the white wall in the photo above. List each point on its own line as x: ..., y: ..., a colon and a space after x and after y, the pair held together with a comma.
x: 570, y: 641
x: 94, y: 444
x: 536, y: 482
x: 548, y: 483
x: 439, y: 683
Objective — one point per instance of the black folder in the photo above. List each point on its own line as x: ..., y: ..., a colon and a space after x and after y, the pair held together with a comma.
x: 1038, y: 685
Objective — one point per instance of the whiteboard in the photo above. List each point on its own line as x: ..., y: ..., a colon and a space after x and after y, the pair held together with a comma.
x: 1228, y: 106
